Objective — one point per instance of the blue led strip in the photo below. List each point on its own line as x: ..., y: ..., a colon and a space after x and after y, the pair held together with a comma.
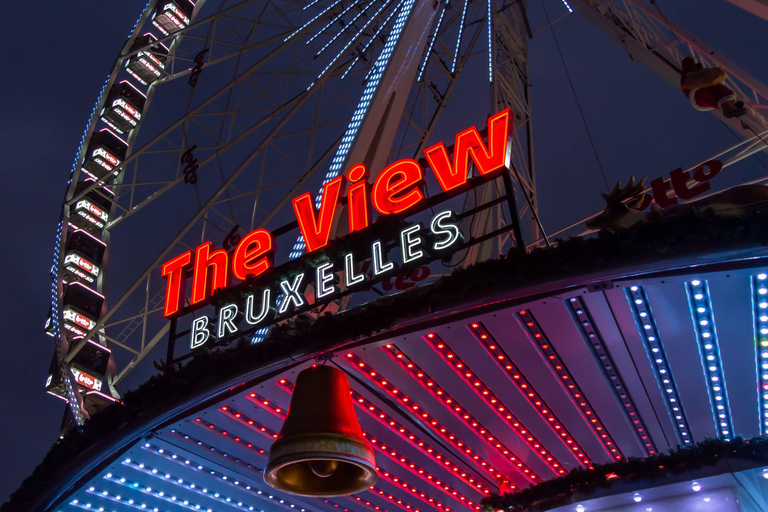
x: 490, y: 42
x: 357, y: 118
x: 567, y: 5
x: 709, y: 350
x: 431, y: 44
x: 595, y: 342
x: 372, y: 39
x: 657, y: 356
x: 311, y: 21
x: 458, y: 38
x: 760, y: 319
x: 334, y: 20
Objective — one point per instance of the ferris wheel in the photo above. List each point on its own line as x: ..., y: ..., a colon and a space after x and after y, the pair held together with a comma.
x: 253, y: 102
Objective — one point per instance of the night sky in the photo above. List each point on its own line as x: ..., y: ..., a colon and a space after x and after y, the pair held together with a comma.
x: 59, y: 53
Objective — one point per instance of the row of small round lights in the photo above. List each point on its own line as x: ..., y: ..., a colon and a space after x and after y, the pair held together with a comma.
x: 600, y: 350
x: 760, y: 314
x: 517, y: 378
x: 637, y: 498
x: 470, y: 421
x: 224, y: 433
x: 706, y: 336
x: 188, y: 484
x: 484, y: 392
x: 247, y: 421
x: 266, y: 404
x: 563, y: 375
x: 386, y: 420
x: 654, y: 348
x: 416, y: 441
x: 409, y: 466
x: 422, y: 474
x: 170, y: 498
x: 385, y: 385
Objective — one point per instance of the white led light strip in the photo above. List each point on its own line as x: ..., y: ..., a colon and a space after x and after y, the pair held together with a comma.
x: 458, y: 39
x: 431, y: 45
x: 709, y: 350
x: 373, y: 38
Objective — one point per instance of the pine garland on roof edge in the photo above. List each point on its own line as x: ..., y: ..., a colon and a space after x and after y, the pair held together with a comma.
x: 559, y: 491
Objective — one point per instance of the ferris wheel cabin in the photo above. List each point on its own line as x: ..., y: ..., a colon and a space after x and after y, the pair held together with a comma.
x: 91, y: 211
x: 105, y: 152
x: 83, y: 256
x: 148, y: 64
x: 172, y: 16
x: 124, y: 106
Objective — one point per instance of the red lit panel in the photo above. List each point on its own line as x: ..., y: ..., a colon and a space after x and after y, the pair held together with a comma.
x: 390, y: 453
x: 563, y: 376
x: 443, y: 431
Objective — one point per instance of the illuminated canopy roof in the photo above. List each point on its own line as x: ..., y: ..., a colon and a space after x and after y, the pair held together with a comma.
x: 521, y: 380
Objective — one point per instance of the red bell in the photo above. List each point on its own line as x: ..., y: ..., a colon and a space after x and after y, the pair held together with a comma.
x: 321, y: 450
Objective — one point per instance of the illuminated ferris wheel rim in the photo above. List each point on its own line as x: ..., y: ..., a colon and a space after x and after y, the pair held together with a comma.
x: 89, y: 211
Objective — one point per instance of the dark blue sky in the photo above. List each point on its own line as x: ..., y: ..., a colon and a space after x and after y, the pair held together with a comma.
x: 639, y: 124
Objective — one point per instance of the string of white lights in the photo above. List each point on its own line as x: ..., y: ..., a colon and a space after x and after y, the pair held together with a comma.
x: 333, y: 20
x: 311, y: 21
x: 373, y: 38
x: 431, y: 44
x: 357, y: 118
x: 703, y: 319
x: 657, y: 356
x: 458, y: 38
x: 760, y: 322
x: 490, y: 42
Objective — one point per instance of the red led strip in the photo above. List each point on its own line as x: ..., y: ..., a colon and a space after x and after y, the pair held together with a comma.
x: 388, y: 497
x: 510, y: 419
x: 415, y: 441
x: 565, y: 378
x: 418, y: 471
x: 366, y: 504
x: 266, y: 404
x: 248, y: 422
x: 443, y: 431
x: 227, y: 435
x: 515, y: 375
x: 404, y: 462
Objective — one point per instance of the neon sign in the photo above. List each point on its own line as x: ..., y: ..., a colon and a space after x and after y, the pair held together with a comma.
x: 396, y: 191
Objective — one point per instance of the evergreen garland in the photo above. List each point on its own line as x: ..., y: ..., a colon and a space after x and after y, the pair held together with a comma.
x: 688, y: 234
x: 559, y: 491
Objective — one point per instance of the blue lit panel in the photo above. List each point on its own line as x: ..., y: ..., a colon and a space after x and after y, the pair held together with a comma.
x: 703, y: 318
x: 760, y: 316
x: 657, y: 356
